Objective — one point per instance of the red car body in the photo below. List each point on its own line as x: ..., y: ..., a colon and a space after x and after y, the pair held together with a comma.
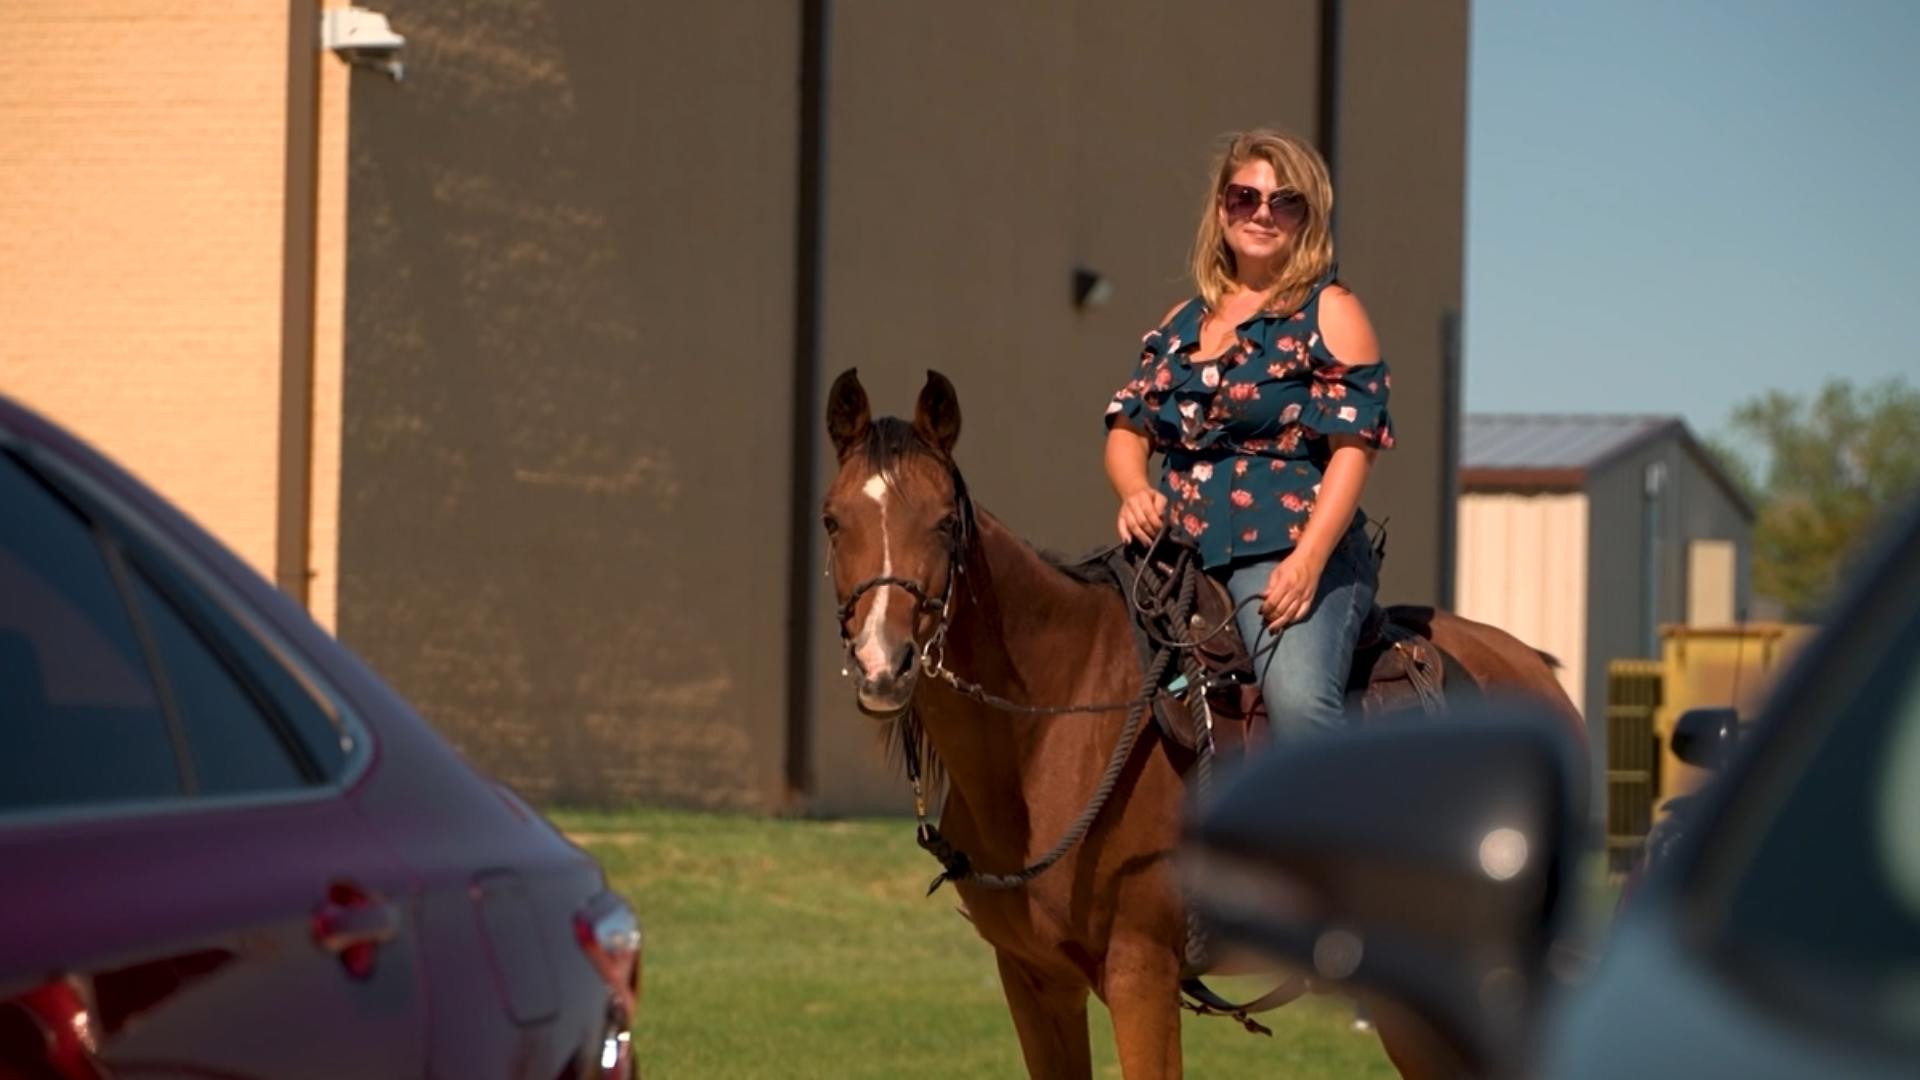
x: 371, y: 908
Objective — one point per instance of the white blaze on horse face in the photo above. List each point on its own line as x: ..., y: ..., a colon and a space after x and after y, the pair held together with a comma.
x: 869, y: 648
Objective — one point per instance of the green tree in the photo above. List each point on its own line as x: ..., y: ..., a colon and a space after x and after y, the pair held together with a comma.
x: 1821, y: 472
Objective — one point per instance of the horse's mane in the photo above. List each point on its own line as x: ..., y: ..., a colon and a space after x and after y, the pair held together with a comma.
x: 889, y: 441
x: 1088, y: 569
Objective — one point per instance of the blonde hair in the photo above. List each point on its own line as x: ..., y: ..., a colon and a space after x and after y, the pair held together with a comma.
x: 1299, y: 167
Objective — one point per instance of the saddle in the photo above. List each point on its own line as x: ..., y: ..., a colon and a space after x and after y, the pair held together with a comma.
x: 1209, y: 708
x: 1396, y: 666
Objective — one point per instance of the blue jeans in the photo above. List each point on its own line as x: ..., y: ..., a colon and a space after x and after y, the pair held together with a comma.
x: 1304, y: 679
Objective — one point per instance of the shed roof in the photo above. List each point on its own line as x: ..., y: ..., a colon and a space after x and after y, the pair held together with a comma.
x: 1506, y: 441
x: 1559, y: 451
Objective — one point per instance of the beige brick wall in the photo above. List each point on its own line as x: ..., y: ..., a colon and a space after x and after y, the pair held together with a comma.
x: 142, y: 153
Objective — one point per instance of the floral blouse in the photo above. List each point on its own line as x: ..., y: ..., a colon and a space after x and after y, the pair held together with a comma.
x: 1245, y: 434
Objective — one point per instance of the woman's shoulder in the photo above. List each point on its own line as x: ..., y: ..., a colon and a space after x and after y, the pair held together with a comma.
x: 1345, y: 328
x: 1175, y: 312
x: 1338, y: 297
x: 1177, y: 325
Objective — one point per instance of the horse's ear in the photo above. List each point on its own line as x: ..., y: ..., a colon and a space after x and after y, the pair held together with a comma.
x: 936, y: 416
x: 848, y: 415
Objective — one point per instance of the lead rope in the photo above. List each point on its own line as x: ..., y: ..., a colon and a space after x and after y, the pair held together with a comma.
x: 1198, y: 999
x: 955, y: 864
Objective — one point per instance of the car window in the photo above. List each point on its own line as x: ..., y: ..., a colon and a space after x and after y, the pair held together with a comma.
x: 233, y: 738
x: 80, y: 722
x: 1826, y: 914
x: 309, y: 720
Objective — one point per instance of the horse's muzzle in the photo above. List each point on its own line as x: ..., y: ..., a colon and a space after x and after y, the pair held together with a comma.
x: 887, y: 694
x: 887, y: 697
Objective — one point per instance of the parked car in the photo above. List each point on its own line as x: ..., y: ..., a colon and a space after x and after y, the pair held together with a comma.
x: 227, y: 849
x: 1779, y: 936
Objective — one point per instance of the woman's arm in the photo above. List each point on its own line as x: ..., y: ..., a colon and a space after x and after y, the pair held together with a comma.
x: 1142, y: 509
x: 1126, y: 459
x: 1349, y: 337
x: 1340, y: 488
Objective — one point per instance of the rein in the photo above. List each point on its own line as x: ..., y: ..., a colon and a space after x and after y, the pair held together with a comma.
x: 956, y: 866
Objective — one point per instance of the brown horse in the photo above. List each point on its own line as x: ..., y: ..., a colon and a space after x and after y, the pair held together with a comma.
x: 917, y: 567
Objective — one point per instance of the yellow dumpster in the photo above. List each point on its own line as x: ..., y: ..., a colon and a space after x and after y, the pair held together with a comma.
x: 1698, y: 667
x: 1715, y: 666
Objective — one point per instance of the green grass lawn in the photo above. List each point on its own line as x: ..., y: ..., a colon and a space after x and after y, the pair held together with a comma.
x: 804, y: 948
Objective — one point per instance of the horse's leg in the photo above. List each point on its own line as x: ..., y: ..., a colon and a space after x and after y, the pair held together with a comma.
x: 1142, y: 991
x: 1051, y: 1018
x: 1416, y: 1052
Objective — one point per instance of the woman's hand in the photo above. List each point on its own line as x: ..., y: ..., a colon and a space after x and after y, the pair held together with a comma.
x: 1291, y: 589
x: 1141, y: 516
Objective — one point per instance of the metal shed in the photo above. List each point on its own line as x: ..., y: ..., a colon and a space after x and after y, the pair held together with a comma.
x: 1583, y: 535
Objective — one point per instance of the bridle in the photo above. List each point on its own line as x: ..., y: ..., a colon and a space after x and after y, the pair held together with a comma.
x: 932, y: 659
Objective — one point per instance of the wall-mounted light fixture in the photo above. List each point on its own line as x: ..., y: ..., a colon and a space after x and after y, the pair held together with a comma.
x: 1091, y: 289
x: 364, y: 39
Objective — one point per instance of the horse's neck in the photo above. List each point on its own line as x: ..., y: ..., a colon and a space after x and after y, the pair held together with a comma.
x: 1022, y: 621
x: 1024, y: 631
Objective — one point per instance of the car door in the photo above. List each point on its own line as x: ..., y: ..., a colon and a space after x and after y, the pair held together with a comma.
x: 188, y: 891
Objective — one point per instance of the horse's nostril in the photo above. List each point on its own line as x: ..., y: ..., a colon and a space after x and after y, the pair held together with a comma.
x: 903, y: 660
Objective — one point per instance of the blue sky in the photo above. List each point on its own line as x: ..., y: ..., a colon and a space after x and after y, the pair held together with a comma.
x: 1674, y: 206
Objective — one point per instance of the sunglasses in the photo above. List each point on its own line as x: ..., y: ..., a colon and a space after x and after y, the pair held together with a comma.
x: 1287, y: 206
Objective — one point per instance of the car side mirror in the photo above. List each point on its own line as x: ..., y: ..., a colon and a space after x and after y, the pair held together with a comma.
x: 1705, y: 738
x: 1431, y: 862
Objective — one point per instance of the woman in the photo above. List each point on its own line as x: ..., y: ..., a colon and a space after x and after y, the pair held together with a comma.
x: 1267, y: 394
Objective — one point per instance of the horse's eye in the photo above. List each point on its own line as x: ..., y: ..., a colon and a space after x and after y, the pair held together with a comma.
x: 949, y: 526
x: 830, y: 523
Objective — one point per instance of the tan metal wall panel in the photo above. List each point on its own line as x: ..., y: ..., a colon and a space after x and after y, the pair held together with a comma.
x: 977, y: 154
x: 1401, y: 174
x: 141, y: 203
x: 1523, y: 567
x: 1712, y: 582
x: 569, y: 313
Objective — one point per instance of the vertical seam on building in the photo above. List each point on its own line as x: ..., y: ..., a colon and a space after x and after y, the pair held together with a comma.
x: 809, y: 241
x: 302, y: 184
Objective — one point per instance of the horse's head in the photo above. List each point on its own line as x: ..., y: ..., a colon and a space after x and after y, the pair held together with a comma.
x: 898, y: 522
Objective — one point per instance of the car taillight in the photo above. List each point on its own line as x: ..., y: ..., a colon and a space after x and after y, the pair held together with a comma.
x: 614, y: 932
x: 609, y: 935
x: 49, y: 1032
